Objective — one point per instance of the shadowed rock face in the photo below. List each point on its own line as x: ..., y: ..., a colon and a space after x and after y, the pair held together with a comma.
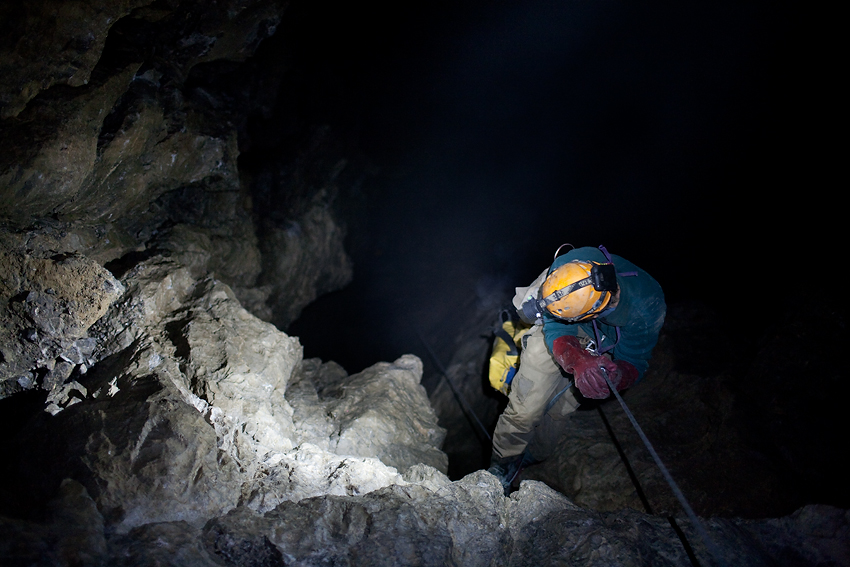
x: 154, y: 415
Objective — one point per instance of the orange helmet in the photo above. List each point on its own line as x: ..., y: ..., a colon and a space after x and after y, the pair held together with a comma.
x: 578, y: 290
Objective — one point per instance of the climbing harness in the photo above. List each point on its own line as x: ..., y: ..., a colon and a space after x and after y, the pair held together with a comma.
x: 709, y: 543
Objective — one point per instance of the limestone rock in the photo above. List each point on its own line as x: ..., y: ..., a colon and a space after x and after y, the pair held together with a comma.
x: 47, y: 305
x: 381, y: 412
x: 185, y: 413
x: 398, y: 525
x: 308, y: 471
x: 240, y: 366
x: 470, y: 522
x: 384, y: 412
x: 144, y: 455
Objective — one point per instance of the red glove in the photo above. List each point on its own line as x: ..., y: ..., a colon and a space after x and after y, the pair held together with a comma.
x: 628, y: 375
x: 587, y: 368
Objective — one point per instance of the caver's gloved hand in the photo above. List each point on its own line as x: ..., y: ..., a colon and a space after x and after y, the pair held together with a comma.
x: 587, y: 369
x: 628, y: 375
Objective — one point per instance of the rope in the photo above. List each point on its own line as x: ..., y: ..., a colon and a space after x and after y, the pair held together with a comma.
x: 641, y: 494
x: 467, y: 409
x: 706, y: 539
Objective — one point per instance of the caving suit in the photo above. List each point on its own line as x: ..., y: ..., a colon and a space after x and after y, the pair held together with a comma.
x: 638, y: 315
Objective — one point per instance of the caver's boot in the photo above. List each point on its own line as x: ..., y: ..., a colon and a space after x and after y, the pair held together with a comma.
x: 505, y: 470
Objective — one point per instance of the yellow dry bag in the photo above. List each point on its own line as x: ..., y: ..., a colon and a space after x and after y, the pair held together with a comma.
x: 505, y: 356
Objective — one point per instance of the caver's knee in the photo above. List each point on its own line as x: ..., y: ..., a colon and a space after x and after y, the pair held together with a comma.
x: 523, y: 421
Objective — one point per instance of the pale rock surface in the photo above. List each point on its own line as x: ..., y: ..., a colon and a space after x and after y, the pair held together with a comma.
x: 185, y: 414
x: 388, y: 417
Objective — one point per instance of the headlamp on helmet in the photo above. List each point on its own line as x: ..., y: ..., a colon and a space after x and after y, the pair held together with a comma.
x: 577, y: 290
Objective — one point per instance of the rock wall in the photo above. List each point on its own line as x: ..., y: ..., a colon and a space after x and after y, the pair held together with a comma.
x: 152, y: 415
x: 119, y: 137
x: 427, y: 522
x: 186, y: 413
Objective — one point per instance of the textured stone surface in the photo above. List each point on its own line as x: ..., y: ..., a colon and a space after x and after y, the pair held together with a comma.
x: 388, y: 417
x: 470, y: 522
x: 184, y: 413
x: 176, y: 544
x: 182, y: 430
x: 467, y: 522
x: 48, y: 302
x: 46, y: 45
x: 238, y: 365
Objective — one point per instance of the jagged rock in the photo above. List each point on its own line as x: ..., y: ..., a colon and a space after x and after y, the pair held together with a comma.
x: 240, y: 366
x: 143, y: 454
x: 75, y: 171
x: 399, y: 525
x: 470, y: 522
x: 381, y: 412
x: 184, y: 415
x: 308, y: 471
x: 47, y: 305
x: 101, y: 153
x: 384, y: 412
x: 467, y: 522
